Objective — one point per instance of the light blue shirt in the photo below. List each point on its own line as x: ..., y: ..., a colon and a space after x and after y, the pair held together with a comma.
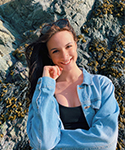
x: 45, y: 128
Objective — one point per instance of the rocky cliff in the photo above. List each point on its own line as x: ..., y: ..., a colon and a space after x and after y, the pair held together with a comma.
x: 100, y: 27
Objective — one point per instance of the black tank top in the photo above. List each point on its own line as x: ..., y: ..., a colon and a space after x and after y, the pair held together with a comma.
x: 73, y: 117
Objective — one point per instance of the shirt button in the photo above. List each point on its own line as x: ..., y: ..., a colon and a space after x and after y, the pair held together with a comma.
x: 39, y: 82
x: 86, y: 107
x: 80, y: 87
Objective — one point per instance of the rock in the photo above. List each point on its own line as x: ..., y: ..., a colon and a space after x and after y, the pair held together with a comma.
x: 7, y: 45
x: 9, y: 63
x: 4, y: 1
x: 28, y: 16
x: 31, y: 14
x: 19, y: 72
x: 13, y: 135
x: 82, y: 59
x: 101, y: 49
x: 3, y: 59
x: 97, y: 35
x: 79, y: 19
x: 84, y: 45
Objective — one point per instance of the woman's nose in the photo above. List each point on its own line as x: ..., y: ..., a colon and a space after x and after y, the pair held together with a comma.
x: 64, y: 55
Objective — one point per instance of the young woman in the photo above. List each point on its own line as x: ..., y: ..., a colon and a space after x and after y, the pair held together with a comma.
x: 70, y: 108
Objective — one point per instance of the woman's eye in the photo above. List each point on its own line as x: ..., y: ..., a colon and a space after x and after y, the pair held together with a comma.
x: 69, y: 46
x: 55, y: 51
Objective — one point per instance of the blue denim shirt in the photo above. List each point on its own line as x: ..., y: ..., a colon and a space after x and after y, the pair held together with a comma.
x: 45, y: 128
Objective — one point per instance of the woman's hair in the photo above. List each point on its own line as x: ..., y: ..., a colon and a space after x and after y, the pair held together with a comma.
x: 37, y: 53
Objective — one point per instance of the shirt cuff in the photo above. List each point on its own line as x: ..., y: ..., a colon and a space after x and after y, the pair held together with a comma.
x: 46, y: 82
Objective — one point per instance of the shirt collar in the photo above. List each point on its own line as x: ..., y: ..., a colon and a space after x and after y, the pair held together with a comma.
x: 87, y: 77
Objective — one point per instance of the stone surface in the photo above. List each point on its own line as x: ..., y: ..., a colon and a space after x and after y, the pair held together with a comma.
x: 101, y: 49
x: 4, y: 1
x: 6, y: 40
x: 30, y: 14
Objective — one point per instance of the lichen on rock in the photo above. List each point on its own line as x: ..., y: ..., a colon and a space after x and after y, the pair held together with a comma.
x: 101, y: 49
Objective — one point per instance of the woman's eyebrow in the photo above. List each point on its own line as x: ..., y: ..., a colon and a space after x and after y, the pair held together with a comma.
x: 68, y: 43
x: 53, y: 49
x: 65, y: 45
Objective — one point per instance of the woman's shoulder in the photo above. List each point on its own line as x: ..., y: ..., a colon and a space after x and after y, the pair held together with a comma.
x: 97, y: 78
x: 102, y: 78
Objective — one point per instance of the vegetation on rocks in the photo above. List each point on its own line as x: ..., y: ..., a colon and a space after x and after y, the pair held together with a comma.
x: 100, y: 27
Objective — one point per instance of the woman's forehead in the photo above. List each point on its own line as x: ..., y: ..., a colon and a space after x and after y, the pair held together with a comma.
x: 60, y: 38
x: 62, y: 35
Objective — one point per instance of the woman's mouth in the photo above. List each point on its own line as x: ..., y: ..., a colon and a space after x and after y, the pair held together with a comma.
x: 66, y: 62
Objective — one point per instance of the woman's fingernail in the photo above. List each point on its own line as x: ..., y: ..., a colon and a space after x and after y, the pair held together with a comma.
x: 60, y: 68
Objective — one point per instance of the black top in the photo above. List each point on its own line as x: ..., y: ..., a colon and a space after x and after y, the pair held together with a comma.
x: 73, y: 117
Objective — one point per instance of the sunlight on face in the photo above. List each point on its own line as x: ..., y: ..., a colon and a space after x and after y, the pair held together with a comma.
x: 62, y: 49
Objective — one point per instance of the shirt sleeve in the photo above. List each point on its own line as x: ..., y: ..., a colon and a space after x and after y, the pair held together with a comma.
x: 43, y: 125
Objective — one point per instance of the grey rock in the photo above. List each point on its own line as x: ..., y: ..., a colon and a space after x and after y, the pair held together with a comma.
x: 20, y: 22
x: 19, y: 72
x: 79, y: 19
x: 84, y: 45
x: 82, y: 59
x: 97, y: 35
x: 4, y: 1
x: 8, y: 43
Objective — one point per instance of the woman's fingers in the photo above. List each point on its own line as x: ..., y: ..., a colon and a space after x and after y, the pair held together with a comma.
x: 58, y: 73
x: 55, y: 72
x: 52, y: 71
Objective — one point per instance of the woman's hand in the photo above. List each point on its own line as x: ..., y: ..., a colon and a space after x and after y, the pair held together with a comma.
x: 52, y: 71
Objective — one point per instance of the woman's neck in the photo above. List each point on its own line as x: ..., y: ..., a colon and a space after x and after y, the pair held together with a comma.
x: 71, y: 75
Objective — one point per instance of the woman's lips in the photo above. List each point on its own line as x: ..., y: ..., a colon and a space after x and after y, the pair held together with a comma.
x: 67, y: 62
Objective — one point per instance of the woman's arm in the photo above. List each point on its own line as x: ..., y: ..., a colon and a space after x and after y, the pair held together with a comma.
x: 44, y: 126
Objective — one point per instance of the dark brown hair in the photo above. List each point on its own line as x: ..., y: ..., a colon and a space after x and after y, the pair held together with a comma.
x: 37, y: 54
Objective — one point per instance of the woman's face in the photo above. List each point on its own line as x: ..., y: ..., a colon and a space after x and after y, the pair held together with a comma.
x: 63, y: 49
